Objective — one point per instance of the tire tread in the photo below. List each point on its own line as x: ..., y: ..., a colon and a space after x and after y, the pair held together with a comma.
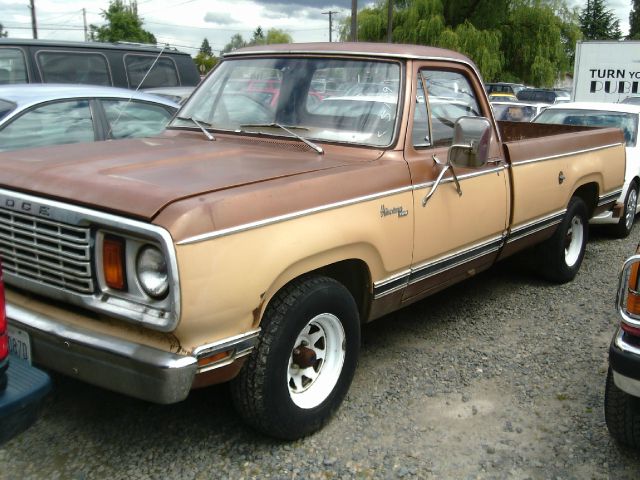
x: 622, y: 414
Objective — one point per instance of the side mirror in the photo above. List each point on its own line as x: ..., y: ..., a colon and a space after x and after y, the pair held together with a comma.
x: 471, y: 140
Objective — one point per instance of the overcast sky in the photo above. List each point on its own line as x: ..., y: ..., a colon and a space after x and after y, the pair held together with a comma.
x: 185, y: 23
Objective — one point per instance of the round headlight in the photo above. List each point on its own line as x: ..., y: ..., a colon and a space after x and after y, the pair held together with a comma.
x: 151, y: 268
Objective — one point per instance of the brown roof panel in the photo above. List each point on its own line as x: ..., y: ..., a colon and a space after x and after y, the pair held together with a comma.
x: 356, y: 48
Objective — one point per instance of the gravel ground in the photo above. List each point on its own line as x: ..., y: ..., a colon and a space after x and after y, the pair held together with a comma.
x: 501, y: 376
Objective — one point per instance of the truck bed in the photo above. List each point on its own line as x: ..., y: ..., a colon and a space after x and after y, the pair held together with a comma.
x: 542, y: 157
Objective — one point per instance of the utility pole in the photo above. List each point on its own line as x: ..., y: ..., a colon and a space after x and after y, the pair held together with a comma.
x: 34, y: 26
x: 330, y: 13
x: 390, y: 22
x: 84, y: 19
x: 354, y: 20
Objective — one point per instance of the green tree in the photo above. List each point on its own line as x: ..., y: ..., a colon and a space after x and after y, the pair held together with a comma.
x: 258, y: 37
x: 123, y: 24
x: 205, y: 62
x: 205, y: 48
x: 275, y: 35
x: 3, y: 32
x: 523, y: 40
x: 236, y: 42
x: 486, y: 14
x: 533, y: 45
x: 597, y: 22
x: 422, y: 22
x: 634, y: 21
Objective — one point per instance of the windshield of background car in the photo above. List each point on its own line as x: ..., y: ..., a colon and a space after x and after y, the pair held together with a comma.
x: 335, y: 100
x: 514, y: 113
x: 6, y: 107
x: 627, y: 122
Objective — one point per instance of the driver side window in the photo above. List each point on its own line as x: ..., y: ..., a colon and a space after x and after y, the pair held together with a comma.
x: 448, y: 97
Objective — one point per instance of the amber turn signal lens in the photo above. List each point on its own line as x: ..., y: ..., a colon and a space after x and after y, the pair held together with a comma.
x: 206, y: 361
x: 113, y: 262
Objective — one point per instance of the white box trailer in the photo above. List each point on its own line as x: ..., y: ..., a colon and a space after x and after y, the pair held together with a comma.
x: 606, y: 71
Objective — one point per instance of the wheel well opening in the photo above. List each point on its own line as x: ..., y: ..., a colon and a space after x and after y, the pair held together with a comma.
x: 589, y: 194
x: 354, y: 275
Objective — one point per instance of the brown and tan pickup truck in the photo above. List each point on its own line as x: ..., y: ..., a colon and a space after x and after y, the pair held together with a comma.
x: 301, y: 192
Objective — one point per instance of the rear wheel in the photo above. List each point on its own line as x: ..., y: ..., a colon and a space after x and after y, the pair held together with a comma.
x: 623, y: 228
x: 562, y: 254
x: 305, y: 360
x: 622, y: 414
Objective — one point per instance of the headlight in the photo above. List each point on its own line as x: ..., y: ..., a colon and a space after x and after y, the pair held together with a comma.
x: 151, y: 269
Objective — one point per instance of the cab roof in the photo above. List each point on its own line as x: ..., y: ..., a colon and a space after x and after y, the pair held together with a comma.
x: 395, y: 50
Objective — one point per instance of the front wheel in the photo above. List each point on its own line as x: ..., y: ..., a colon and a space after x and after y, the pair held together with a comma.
x: 562, y: 254
x: 623, y: 228
x: 304, y: 362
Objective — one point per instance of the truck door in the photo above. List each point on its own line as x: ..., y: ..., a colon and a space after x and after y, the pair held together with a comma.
x: 456, y: 234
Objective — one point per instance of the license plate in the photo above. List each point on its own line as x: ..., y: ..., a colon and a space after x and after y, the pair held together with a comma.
x: 19, y: 344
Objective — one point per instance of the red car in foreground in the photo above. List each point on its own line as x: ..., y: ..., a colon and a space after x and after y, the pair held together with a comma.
x: 22, y: 386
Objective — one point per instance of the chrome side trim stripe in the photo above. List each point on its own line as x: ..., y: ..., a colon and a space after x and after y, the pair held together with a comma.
x: 434, y: 267
x: 462, y: 177
x: 561, y: 155
x: 530, y: 228
x: 426, y: 270
x: 289, y: 216
x: 609, y: 197
x: 391, y: 284
x: 302, y: 213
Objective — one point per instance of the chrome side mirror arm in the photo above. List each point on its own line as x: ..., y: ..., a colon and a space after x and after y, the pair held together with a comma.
x: 447, y: 166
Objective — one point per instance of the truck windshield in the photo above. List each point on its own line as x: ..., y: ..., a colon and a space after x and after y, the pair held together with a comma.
x: 627, y: 122
x: 335, y: 100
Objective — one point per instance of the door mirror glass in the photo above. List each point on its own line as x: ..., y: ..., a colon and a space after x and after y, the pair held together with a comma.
x: 471, y: 140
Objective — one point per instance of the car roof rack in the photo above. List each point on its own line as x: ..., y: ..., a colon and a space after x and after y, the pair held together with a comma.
x: 138, y: 44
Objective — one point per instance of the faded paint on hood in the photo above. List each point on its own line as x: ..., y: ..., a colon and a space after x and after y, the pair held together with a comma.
x: 139, y: 177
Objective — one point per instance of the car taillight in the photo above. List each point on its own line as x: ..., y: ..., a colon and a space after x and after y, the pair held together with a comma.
x: 633, y: 293
x: 4, y: 340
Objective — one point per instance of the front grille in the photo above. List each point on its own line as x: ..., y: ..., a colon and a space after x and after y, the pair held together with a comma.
x: 46, y: 251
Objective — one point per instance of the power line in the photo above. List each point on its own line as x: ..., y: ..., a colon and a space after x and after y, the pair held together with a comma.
x: 46, y: 28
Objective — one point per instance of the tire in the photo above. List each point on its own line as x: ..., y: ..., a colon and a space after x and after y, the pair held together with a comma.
x: 623, y: 228
x: 303, y: 365
x: 562, y: 254
x: 622, y: 414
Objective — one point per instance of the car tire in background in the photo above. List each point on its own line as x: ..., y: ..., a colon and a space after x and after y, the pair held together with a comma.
x: 623, y: 228
x: 622, y: 414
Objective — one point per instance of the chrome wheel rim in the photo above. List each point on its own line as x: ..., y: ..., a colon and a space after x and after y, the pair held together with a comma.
x: 573, y: 241
x: 630, y: 210
x: 316, y: 361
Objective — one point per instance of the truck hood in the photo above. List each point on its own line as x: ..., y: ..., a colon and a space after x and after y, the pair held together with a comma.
x: 139, y: 177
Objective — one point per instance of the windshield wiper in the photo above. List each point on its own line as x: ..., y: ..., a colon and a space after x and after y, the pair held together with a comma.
x: 199, y: 125
x: 315, y: 147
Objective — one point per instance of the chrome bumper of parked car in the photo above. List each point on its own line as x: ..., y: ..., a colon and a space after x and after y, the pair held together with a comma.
x: 126, y: 367
x: 624, y: 358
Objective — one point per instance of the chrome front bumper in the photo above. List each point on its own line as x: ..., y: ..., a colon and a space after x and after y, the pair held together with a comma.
x: 109, y: 362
